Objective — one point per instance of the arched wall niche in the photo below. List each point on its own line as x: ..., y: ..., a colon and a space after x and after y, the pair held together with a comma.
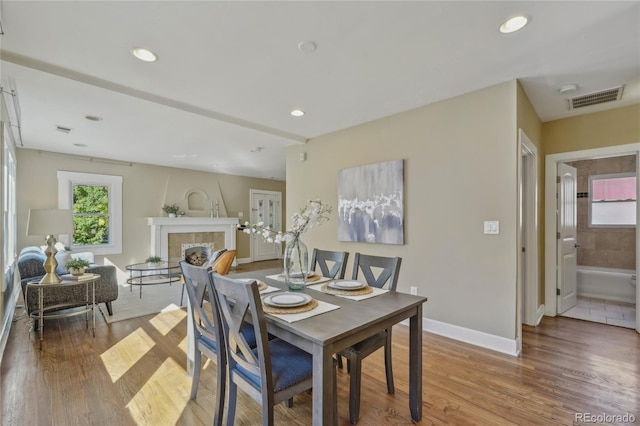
x: 197, y: 200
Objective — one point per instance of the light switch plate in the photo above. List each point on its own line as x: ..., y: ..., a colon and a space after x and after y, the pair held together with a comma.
x: 491, y: 227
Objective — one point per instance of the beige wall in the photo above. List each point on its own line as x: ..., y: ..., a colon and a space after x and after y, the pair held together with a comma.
x: 145, y: 189
x: 613, y: 127
x: 460, y: 170
x: 604, y: 247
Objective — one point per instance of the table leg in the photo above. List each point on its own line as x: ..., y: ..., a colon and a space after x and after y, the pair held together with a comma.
x: 415, y: 365
x: 323, y: 398
x: 40, y: 314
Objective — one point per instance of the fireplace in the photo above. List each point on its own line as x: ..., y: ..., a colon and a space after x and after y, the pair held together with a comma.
x: 168, y: 235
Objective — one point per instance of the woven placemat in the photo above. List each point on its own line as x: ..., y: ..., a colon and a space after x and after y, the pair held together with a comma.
x: 359, y: 292
x: 298, y: 309
x: 310, y: 279
x: 261, y: 285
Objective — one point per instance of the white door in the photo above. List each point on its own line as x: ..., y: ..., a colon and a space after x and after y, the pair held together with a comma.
x: 266, y: 207
x: 567, y: 238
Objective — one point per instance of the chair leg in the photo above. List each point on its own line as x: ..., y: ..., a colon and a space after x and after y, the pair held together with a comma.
x: 233, y: 395
x: 197, y: 361
x: 388, y: 367
x: 109, y: 308
x: 182, y: 294
x: 289, y: 403
x: 221, y: 377
x: 354, y: 389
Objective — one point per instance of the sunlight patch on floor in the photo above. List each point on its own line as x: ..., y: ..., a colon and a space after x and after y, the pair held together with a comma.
x: 166, y: 320
x: 163, y: 397
x: 183, y: 344
x: 123, y: 355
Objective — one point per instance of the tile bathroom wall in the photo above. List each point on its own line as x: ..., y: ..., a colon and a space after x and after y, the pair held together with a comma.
x: 603, y: 247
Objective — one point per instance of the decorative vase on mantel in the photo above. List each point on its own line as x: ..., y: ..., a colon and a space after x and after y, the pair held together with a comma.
x: 296, y: 264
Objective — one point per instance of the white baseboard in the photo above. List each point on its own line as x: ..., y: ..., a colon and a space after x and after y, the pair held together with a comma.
x: 243, y: 260
x: 467, y: 335
x: 539, y: 314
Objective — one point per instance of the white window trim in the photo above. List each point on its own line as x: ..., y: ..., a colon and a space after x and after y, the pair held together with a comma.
x: 601, y: 177
x: 66, y: 180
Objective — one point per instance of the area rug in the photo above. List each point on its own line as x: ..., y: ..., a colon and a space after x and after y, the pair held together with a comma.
x: 155, y: 298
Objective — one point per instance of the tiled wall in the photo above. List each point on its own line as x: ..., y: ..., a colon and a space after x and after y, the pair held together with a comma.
x: 604, y: 247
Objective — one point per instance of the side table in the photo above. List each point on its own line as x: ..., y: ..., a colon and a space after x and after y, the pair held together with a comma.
x: 141, y: 274
x: 43, y: 313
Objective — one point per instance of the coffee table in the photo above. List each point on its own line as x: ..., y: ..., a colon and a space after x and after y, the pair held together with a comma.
x: 144, y: 273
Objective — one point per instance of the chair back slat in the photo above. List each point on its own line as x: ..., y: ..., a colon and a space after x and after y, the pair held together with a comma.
x: 390, y: 269
x: 333, y: 264
x: 239, y: 302
x: 199, y: 287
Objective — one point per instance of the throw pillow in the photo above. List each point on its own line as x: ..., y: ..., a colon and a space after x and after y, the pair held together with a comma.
x: 62, y: 257
x: 214, y: 256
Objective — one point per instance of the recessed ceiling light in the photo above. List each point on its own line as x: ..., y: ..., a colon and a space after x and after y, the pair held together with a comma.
x: 144, y: 54
x: 513, y: 24
x: 297, y: 113
x: 81, y: 145
x: 257, y: 149
x: 307, y: 46
x: 93, y: 118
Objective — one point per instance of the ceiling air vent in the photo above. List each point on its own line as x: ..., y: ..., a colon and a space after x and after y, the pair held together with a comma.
x: 63, y: 129
x: 595, y: 98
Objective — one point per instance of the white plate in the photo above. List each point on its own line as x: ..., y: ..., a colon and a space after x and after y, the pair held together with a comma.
x: 287, y: 299
x: 346, y: 285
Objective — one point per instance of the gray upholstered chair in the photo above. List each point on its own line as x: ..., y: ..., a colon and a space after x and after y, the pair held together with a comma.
x: 389, y: 269
x: 272, y: 372
x: 331, y: 264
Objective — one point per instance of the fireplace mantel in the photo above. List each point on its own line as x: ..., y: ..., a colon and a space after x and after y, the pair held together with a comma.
x: 161, y: 227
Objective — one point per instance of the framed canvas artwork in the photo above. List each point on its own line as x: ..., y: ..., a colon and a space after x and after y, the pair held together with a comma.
x: 370, y: 203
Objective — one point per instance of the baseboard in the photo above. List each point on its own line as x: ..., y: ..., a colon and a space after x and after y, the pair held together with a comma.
x: 467, y: 335
x: 539, y: 314
x: 7, y: 321
x: 243, y: 260
x: 608, y: 298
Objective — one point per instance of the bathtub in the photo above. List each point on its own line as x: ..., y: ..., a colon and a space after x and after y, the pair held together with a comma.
x: 607, y: 283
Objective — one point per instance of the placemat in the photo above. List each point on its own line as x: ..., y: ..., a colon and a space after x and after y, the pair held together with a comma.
x: 375, y: 292
x: 359, y: 292
x: 270, y: 289
x: 287, y: 311
x: 322, y: 308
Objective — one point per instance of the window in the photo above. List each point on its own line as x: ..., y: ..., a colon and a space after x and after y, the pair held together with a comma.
x: 96, y: 201
x: 612, y: 200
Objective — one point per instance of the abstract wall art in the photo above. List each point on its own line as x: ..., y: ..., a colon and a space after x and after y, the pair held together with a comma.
x: 370, y: 203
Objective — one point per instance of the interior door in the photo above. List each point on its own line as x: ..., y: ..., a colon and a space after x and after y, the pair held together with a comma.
x: 567, y: 237
x: 266, y: 207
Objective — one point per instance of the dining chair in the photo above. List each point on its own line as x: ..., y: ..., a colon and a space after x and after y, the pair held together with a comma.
x: 332, y: 264
x: 378, y: 271
x: 272, y: 372
x: 207, y: 335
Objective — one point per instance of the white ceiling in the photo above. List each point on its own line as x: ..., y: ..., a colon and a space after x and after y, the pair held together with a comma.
x: 229, y: 73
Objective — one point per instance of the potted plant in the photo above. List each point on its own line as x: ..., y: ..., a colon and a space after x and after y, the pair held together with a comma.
x: 76, y: 266
x: 171, y: 209
x: 153, y: 260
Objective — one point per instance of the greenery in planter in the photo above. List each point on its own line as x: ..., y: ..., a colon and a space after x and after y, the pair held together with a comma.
x: 171, y: 208
x: 76, y: 264
x: 154, y: 259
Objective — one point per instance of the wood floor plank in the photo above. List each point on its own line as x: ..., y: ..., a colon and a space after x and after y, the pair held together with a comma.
x: 133, y: 372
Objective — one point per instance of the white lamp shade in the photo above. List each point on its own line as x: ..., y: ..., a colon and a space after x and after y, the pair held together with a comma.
x: 49, y: 222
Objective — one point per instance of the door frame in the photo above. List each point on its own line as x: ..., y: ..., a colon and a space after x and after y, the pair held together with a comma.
x: 551, y: 168
x: 528, y: 312
x: 252, y: 193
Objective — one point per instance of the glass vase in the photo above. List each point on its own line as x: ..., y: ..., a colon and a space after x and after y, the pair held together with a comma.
x: 296, y: 264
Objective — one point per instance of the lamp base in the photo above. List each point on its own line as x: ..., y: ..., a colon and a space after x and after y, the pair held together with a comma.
x: 50, y: 264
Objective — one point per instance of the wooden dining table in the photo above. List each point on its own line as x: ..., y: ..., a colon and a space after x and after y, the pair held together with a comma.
x: 325, y: 334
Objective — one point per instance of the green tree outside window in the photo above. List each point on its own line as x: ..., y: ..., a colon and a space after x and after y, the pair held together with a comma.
x: 90, y: 215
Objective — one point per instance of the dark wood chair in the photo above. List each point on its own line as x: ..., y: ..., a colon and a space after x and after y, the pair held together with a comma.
x: 207, y: 336
x: 389, y: 269
x: 272, y: 372
x: 332, y: 264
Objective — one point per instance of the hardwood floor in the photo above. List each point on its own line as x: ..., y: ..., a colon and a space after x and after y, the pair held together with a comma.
x: 133, y: 373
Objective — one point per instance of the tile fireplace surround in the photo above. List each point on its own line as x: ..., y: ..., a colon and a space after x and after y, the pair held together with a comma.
x: 161, y: 227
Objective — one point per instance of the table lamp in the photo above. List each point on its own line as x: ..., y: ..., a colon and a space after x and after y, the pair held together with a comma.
x: 50, y: 222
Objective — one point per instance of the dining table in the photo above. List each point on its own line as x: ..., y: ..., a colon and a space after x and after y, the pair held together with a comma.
x: 349, y: 322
